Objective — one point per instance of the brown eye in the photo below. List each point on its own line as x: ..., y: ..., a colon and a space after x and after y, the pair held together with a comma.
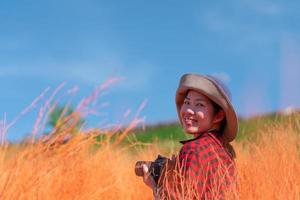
x: 186, y: 102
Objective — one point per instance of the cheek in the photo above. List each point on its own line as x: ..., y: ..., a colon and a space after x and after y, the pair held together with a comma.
x: 200, y: 115
x: 182, y: 110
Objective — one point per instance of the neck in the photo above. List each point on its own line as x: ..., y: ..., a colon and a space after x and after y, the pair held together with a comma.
x: 214, y: 127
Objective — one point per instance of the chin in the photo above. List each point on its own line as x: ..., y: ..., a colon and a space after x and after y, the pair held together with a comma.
x: 191, y: 130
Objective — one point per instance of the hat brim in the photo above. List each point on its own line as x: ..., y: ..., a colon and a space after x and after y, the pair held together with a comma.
x: 212, y: 90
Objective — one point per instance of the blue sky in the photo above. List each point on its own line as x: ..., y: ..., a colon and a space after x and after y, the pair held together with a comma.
x: 254, y: 46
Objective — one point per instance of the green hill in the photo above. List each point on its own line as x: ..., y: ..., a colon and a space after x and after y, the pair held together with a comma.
x: 248, y: 128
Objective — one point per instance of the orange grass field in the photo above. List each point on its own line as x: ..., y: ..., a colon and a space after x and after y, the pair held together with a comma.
x: 86, y: 168
x: 269, y: 168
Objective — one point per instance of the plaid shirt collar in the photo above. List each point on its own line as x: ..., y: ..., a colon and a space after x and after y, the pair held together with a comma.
x: 216, y: 133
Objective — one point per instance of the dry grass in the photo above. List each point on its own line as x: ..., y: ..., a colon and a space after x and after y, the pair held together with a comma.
x: 70, y: 171
x: 268, y: 169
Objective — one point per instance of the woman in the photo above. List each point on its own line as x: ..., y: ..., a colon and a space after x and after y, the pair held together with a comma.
x: 205, y: 163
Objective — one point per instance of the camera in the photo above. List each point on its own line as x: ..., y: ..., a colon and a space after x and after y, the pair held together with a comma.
x: 156, y: 167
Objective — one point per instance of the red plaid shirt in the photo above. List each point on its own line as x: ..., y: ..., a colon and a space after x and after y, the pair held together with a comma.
x: 207, y: 162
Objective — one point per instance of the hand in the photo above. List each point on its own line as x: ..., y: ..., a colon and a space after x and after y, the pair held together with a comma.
x: 171, y: 164
x: 148, y: 179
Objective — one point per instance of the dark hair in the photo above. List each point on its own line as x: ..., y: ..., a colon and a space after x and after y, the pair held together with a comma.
x: 227, y: 145
x: 217, y: 108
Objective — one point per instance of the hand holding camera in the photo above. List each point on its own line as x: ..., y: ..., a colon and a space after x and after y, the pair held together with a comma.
x: 152, y: 171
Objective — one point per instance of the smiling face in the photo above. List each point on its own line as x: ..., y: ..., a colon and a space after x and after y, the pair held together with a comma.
x: 198, y: 115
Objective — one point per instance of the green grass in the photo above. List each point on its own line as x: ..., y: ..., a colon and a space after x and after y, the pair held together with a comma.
x: 169, y: 135
x: 248, y: 128
x: 162, y: 132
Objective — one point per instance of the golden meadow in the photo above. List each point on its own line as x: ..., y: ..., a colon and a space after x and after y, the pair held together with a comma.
x: 99, y: 164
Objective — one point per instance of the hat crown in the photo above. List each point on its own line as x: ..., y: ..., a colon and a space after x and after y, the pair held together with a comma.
x: 222, y: 86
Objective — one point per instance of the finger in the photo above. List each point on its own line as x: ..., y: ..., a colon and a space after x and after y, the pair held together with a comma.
x: 145, y: 168
x: 173, y: 157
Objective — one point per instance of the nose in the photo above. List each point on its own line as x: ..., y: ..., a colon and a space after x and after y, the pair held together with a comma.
x: 190, y: 111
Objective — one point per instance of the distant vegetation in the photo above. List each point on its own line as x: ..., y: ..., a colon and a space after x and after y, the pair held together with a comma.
x: 248, y: 128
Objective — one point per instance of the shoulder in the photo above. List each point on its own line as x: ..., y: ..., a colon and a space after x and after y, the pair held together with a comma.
x: 201, y: 145
x: 206, y: 149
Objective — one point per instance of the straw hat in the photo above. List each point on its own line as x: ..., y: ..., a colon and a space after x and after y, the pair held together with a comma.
x: 217, y: 92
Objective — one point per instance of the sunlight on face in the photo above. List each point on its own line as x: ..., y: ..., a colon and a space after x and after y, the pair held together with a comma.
x: 196, y: 113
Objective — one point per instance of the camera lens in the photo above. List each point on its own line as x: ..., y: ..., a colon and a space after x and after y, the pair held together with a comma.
x: 139, y: 167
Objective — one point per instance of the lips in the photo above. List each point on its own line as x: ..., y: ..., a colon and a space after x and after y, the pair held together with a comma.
x: 189, y: 120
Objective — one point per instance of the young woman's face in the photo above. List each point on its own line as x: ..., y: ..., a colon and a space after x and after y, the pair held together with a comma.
x: 197, y: 113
